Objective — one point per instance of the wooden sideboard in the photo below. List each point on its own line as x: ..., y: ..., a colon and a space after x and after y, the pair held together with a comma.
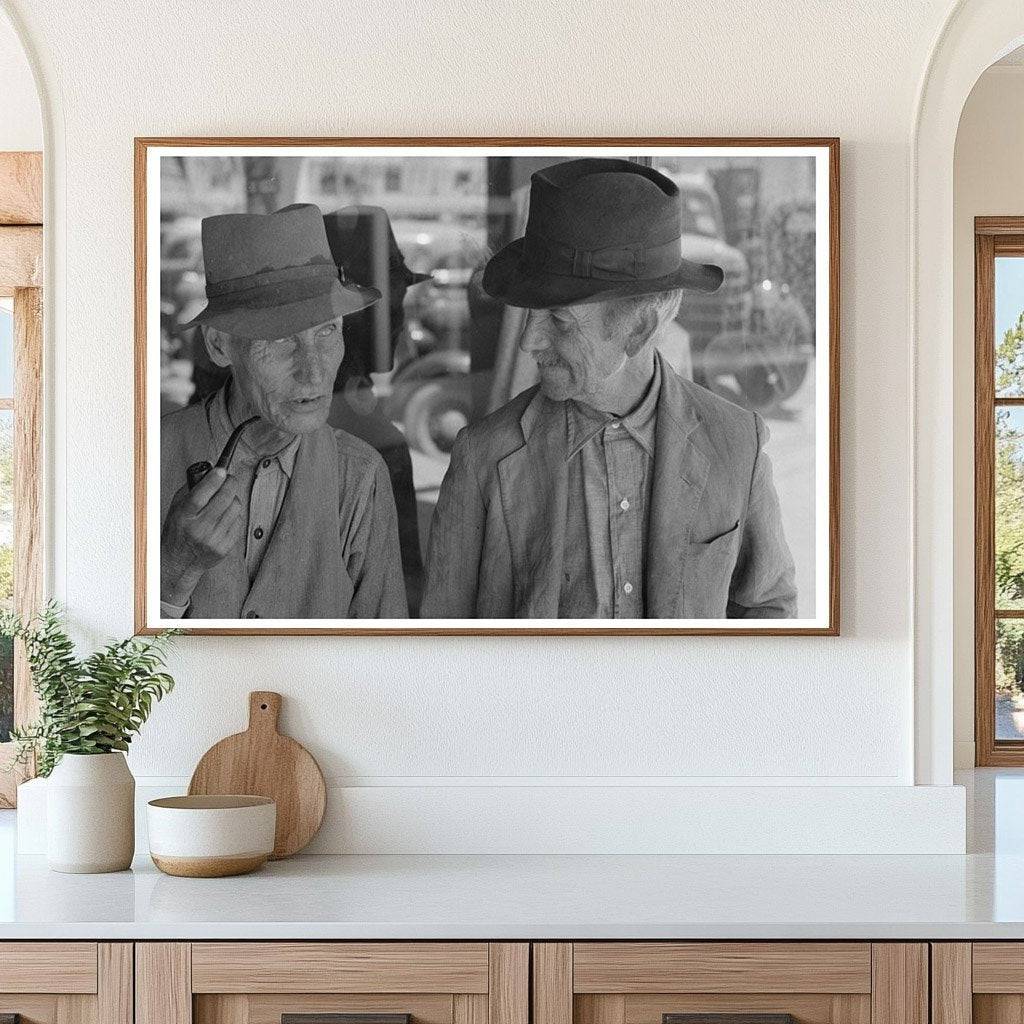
x: 511, y: 982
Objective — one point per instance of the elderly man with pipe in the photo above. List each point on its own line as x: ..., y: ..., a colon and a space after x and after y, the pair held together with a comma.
x: 614, y: 489
x: 302, y: 523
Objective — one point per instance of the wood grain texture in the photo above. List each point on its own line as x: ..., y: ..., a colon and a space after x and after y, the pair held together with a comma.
x: 508, y: 990
x: 163, y: 983
x: 21, y: 258
x: 143, y: 144
x: 467, y: 1009
x: 115, y: 983
x: 37, y: 1009
x: 806, y: 1008
x: 633, y: 967
x: 599, y: 1009
x: 48, y: 967
x: 339, y: 967
x: 76, y: 1009
x: 262, y: 762
x: 21, y: 188
x: 850, y: 1009
x: 984, y: 502
x: 28, y: 491
x: 899, y: 989
x: 951, y: 983
x: 997, y: 967
x: 552, y: 983
x: 224, y: 1009
x: 998, y: 1009
x: 260, y: 1008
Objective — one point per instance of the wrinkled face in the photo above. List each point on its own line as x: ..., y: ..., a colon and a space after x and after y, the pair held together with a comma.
x: 288, y: 382
x: 577, y: 348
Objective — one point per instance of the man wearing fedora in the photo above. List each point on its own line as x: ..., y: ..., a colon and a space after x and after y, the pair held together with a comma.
x: 302, y: 525
x: 613, y: 488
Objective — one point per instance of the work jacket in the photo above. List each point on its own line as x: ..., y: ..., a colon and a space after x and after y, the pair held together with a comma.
x: 715, y: 545
x: 334, y: 552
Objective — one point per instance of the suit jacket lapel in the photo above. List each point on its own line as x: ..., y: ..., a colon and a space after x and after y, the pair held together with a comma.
x: 680, y: 476
x: 533, y: 483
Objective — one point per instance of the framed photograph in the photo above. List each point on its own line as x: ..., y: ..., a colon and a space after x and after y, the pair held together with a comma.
x: 487, y: 386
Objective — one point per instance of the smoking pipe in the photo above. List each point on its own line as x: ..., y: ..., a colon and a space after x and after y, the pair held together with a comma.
x: 198, y: 470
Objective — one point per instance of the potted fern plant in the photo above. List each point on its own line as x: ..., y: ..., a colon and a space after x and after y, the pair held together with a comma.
x: 89, y: 710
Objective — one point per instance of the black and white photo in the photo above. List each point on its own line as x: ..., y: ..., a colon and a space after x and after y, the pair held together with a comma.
x: 469, y: 387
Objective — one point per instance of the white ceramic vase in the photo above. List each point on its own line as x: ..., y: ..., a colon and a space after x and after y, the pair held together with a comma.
x: 90, y: 814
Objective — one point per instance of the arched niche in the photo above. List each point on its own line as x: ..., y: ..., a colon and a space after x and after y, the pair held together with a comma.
x: 975, y: 35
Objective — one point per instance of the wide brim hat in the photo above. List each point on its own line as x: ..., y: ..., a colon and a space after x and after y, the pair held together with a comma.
x: 597, y: 229
x: 365, y: 249
x: 272, y: 275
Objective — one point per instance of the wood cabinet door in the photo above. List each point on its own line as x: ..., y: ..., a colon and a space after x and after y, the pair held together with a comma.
x: 730, y: 983
x: 66, y: 982
x: 977, y: 983
x: 372, y: 982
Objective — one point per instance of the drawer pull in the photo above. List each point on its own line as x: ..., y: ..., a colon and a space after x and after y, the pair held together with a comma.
x: 728, y: 1018
x: 342, y: 1018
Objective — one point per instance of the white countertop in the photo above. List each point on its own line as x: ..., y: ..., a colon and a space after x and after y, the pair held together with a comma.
x: 532, y: 897
x: 977, y: 896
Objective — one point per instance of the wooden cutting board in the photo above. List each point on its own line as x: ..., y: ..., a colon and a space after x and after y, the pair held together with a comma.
x: 262, y: 762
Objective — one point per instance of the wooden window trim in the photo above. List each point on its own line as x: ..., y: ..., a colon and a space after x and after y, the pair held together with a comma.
x: 993, y: 236
x: 21, y: 263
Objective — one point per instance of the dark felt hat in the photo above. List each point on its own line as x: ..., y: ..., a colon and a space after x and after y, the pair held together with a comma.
x: 269, y: 275
x: 364, y: 247
x: 597, y: 229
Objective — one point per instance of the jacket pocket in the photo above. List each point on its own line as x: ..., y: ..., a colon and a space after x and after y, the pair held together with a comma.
x: 708, y: 573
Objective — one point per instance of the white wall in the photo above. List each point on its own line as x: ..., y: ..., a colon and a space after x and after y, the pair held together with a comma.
x: 446, y: 712
x: 988, y: 181
x: 21, y: 125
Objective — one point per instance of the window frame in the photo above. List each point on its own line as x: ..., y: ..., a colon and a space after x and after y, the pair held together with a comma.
x: 21, y: 258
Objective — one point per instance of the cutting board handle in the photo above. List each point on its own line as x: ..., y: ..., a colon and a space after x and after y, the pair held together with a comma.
x: 264, y: 710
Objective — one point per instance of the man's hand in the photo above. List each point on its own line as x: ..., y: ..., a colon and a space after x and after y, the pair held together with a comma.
x: 201, y: 527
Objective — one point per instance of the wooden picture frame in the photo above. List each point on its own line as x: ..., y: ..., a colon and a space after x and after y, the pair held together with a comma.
x: 824, y: 153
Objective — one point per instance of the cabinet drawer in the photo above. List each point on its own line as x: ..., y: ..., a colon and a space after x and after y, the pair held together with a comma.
x: 48, y: 967
x: 736, y: 982
x: 260, y: 982
x: 66, y: 982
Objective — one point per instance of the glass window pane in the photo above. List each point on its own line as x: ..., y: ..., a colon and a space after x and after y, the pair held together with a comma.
x: 1009, y: 514
x: 1009, y: 326
x: 6, y: 348
x: 6, y: 567
x: 1009, y: 679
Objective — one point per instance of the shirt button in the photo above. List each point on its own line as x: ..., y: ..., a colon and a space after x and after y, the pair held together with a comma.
x: 627, y: 587
x: 258, y: 533
x: 252, y: 615
x: 615, y: 424
x: 624, y: 504
x: 265, y: 463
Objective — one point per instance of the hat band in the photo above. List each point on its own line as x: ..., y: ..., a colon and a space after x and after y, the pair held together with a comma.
x: 271, y: 278
x: 615, y: 263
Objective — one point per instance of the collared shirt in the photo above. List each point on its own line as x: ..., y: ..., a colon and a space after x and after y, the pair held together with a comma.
x: 609, y: 495
x: 265, y: 480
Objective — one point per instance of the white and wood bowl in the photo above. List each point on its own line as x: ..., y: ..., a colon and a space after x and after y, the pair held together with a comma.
x: 211, y: 836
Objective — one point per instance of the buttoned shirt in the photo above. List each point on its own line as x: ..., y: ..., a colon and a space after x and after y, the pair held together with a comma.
x: 610, y: 459
x: 264, y: 478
